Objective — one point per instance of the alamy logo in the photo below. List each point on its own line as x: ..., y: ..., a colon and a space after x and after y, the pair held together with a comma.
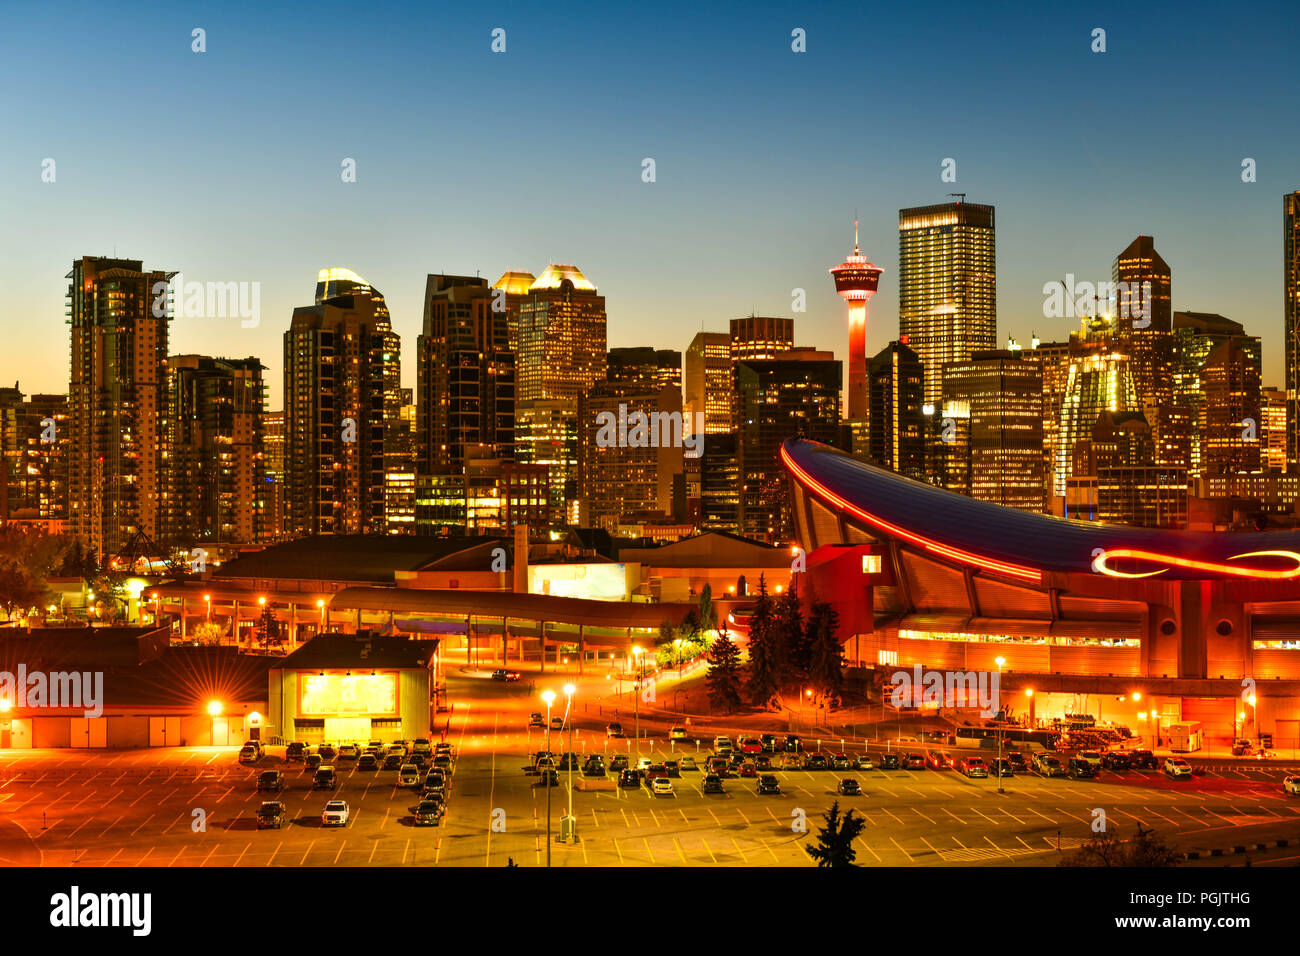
x: 951, y: 689
x: 649, y: 430
x: 57, y: 690
x: 1070, y: 299
x: 75, y: 909
x: 208, y: 300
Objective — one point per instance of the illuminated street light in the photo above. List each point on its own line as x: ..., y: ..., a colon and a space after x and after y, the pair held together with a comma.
x: 214, y: 708
x: 549, y: 697
x: 1001, y: 661
x: 636, y: 699
x: 569, y: 825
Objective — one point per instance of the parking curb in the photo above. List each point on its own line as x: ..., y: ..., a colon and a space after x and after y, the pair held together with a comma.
x: 1239, y: 849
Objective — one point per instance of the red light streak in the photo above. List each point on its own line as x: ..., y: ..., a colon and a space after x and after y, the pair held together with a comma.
x: 956, y: 554
x: 1214, y: 567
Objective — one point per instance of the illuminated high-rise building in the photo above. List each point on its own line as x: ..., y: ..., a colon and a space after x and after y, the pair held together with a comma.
x: 216, y: 463
x: 117, y: 401
x: 273, y: 475
x: 546, y: 435
x: 896, y: 435
x: 465, y: 395
x: 947, y: 286
x: 342, y: 406
x: 646, y: 368
x: 1001, y: 396
x: 1291, y: 321
x: 508, y: 295
x: 561, y: 351
x: 33, y: 457
x: 1143, y: 287
x: 1196, y: 336
x: 1272, y: 411
x: 709, y: 382
x: 856, y: 280
x: 1099, y: 380
x: 1229, y: 416
x: 760, y: 337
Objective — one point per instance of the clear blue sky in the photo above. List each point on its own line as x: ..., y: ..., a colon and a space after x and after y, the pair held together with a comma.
x: 225, y: 165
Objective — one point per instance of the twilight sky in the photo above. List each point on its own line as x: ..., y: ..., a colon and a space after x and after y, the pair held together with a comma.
x: 225, y: 165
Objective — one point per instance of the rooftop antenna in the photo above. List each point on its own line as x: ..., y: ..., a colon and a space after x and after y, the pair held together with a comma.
x: 961, y: 197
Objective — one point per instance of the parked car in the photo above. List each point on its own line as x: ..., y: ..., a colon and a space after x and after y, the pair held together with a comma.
x: 1143, y: 760
x: 422, y: 746
x: 557, y: 723
x: 325, y: 779
x: 549, y: 778
x: 816, y: 762
x: 1003, y: 768
x: 768, y: 742
x: 335, y: 814
x: 1116, y: 760
x: 660, y: 786
x: 643, y: 764
x: 793, y: 744
x: 1080, y: 768
x: 688, y: 763
x: 270, y: 780
x: 408, y: 775
x: 505, y: 675
x: 677, y: 733
x: 566, y: 759
x: 1048, y: 766
x: 375, y: 747
x: 271, y: 815
x: 654, y: 772
x: 763, y: 762
x: 349, y: 752
x: 1240, y: 748
x: 849, y: 787
x: 536, y: 720
x: 295, y: 751
x: 256, y: 745
x: 418, y: 759
x: 712, y: 783
x: 973, y: 767
x: 863, y: 763
x: 629, y: 778
x: 1093, y: 757
x: 748, y: 769
x: 327, y: 752
x: 840, y: 762
x: 618, y: 763
x: 673, y: 767
x: 722, y: 744
x: 312, y: 763
x: 435, y: 781
x: 613, y: 729
x: 249, y: 754
x: 397, y: 747
x: 750, y: 745
x: 428, y: 813
x: 889, y: 762
x: 768, y: 785
x: 1177, y: 767
x: 1291, y: 785
x: 594, y: 767
x: 934, y: 760
x: 393, y: 762
x: 914, y: 762
x: 1018, y: 763
x: 368, y: 761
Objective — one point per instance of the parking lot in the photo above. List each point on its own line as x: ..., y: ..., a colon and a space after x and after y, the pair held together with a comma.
x: 196, y: 807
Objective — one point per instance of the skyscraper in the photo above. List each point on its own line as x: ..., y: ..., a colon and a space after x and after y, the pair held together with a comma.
x: 709, y: 382
x: 341, y: 357
x: 216, y: 471
x: 795, y: 396
x: 465, y: 394
x: 896, y: 436
x: 561, y: 350
x: 1099, y: 381
x: 1229, y: 412
x: 1144, y: 285
x: 947, y: 286
x: 1002, y: 396
x: 643, y: 367
x: 117, y: 400
x: 760, y: 337
x: 1291, y: 321
x: 33, y: 456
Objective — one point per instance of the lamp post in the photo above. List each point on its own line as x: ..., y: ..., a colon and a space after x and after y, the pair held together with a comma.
x: 549, y: 697
x: 320, y: 606
x: 569, y: 825
x: 1252, y: 700
x: 1000, y: 661
x: 207, y: 599
x: 636, y: 699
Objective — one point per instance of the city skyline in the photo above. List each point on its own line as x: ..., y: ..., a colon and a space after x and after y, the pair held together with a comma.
x: 696, y: 235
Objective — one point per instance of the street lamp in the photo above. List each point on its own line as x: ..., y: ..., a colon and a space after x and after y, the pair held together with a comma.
x: 1251, y: 700
x: 214, y: 711
x: 569, y: 825
x: 1000, y: 662
x: 549, y: 697
x: 207, y: 599
x: 636, y: 699
x: 320, y: 606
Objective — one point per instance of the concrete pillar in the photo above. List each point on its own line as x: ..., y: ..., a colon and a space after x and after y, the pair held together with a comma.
x: 582, y: 645
x: 184, y: 619
x: 234, y: 628
x: 541, y: 643
x: 505, y: 647
x: 293, y: 626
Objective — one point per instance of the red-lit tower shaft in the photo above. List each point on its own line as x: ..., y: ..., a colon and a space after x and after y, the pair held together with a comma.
x: 856, y: 280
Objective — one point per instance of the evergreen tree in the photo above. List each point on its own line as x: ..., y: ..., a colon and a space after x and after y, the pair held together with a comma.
x: 825, y: 653
x: 835, y: 840
x: 723, y: 677
x: 764, y: 665
x: 793, y: 644
x: 705, y: 618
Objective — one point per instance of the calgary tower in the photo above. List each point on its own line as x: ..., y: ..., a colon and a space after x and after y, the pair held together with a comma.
x: 856, y: 280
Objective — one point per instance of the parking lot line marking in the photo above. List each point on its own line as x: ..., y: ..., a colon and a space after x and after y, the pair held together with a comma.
x: 1199, y: 820
x: 901, y: 850
x: 954, y: 816
x: 241, y: 854
x: 110, y: 826
x: 1012, y: 816
x: 896, y: 820
x: 985, y: 816
x: 924, y: 817
x: 740, y: 851
x: 996, y: 847
x: 1072, y: 816
x: 206, y: 858
x: 619, y: 850
x: 743, y: 817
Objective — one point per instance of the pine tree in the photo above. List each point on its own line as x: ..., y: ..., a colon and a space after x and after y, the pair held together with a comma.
x: 825, y: 653
x: 793, y: 645
x: 723, y: 677
x: 835, y: 840
x: 764, y: 666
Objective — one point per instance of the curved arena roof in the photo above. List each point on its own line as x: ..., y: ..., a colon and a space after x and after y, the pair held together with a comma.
x: 1022, y: 544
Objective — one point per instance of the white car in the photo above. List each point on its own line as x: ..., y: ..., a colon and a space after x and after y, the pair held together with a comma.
x: 336, y: 814
x: 1177, y: 767
x: 677, y: 733
x: 408, y: 775
x: 1291, y: 785
x: 644, y: 763
x: 721, y: 743
x: 1092, y: 757
x: 661, y: 785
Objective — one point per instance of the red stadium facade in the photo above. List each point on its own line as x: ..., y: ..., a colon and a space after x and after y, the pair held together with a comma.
x: 1145, y: 627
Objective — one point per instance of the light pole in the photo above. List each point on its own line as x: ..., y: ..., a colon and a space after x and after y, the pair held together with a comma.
x: 1000, y: 661
x: 569, y: 825
x: 549, y: 697
x: 636, y: 699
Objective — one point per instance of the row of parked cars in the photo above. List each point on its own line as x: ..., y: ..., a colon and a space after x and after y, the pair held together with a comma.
x: 421, y: 766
